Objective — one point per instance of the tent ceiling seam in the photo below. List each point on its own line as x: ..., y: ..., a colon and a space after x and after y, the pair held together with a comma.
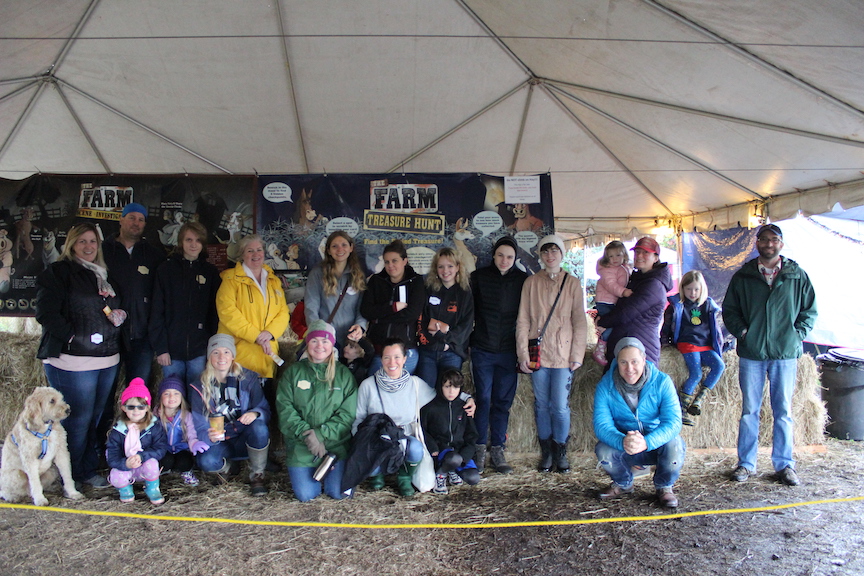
x: 141, y: 125
x: 755, y: 58
x: 83, y: 129
x: 522, y: 123
x: 714, y: 115
x: 503, y: 45
x: 67, y: 46
x: 290, y: 76
x: 657, y: 142
x: 603, y: 145
x: 456, y: 128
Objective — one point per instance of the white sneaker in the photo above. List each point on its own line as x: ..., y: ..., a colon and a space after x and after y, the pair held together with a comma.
x: 440, y: 484
x: 189, y: 478
x: 455, y: 479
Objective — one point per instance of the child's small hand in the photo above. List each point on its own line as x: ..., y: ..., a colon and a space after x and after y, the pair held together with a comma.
x: 627, y: 293
x: 434, y: 454
x: 133, y: 462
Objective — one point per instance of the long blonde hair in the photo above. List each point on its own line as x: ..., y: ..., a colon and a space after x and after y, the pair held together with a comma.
x: 208, y: 379
x: 432, y: 280
x: 693, y: 277
x: 328, y: 266
x: 181, y: 413
x: 72, y: 237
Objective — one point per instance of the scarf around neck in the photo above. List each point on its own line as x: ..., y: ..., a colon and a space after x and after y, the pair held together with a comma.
x: 105, y: 288
x: 388, y: 384
x: 132, y: 444
x: 630, y: 392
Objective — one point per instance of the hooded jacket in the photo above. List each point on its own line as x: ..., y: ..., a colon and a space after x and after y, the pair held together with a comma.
x: 183, y: 315
x: 378, y: 307
x: 244, y: 314
x: 153, y: 444
x: 776, y: 318
x: 641, y: 314
x: 445, y: 425
x: 657, y: 416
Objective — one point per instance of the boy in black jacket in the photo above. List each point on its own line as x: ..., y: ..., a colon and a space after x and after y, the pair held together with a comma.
x: 450, y: 434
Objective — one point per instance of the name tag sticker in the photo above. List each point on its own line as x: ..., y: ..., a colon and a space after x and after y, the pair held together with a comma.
x: 351, y: 291
x: 96, y: 338
x: 434, y: 300
x: 202, y: 279
x: 143, y: 270
x: 304, y: 385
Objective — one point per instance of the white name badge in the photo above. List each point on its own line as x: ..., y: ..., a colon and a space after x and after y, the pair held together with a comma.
x: 304, y: 385
x: 96, y: 338
x: 351, y: 291
x: 143, y: 270
x: 434, y: 300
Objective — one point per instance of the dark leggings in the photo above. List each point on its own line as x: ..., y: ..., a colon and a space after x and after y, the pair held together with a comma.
x: 180, y: 462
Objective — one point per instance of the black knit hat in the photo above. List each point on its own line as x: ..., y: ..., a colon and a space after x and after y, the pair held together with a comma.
x: 505, y: 241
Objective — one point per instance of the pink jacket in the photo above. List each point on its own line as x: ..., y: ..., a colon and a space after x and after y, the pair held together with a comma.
x: 613, y: 281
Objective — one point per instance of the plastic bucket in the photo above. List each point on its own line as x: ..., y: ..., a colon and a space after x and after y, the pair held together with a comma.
x: 843, y: 392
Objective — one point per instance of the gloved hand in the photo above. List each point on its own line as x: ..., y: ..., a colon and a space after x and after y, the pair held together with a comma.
x: 117, y: 316
x: 199, y: 446
x: 315, y: 446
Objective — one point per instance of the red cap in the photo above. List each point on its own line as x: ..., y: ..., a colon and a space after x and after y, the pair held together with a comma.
x: 648, y: 244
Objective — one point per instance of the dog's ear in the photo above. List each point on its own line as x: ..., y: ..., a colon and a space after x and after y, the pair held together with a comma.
x: 33, y: 408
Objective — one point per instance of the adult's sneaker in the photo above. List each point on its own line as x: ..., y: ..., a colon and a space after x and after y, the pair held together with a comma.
x: 740, y: 474
x: 788, y: 476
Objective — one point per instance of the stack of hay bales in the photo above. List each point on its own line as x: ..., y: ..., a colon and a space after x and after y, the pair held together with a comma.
x: 20, y: 372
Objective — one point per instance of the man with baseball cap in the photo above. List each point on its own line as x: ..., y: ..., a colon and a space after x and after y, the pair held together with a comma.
x: 770, y: 306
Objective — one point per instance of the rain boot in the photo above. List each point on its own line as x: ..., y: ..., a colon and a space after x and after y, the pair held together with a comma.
x: 599, y: 354
x: 694, y: 407
x: 480, y: 456
x: 127, y: 494
x: 562, y: 465
x: 403, y: 479
x: 376, y: 482
x: 686, y: 401
x: 499, y: 463
x: 545, y: 464
x: 151, y: 488
x: 257, y: 465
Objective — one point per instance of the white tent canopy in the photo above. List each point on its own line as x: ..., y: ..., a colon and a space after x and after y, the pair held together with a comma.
x: 642, y: 110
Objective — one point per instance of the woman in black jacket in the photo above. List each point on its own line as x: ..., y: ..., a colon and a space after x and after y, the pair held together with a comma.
x: 392, y: 303
x: 183, y: 314
x: 78, y: 310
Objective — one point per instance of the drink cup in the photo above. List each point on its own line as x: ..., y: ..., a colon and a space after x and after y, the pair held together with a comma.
x: 217, y: 423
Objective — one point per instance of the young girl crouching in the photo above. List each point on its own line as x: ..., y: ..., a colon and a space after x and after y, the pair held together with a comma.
x: 179, y: 425
x: 135, y: 445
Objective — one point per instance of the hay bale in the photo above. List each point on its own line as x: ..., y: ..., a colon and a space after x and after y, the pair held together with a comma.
x: 20, y: 372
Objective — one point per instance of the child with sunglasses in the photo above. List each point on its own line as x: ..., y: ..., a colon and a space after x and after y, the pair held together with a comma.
x: 135, y: 445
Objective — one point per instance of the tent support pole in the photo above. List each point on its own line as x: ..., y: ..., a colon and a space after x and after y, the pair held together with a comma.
x: 290, y: 77
x: 653, y: 140
x: 61, y: 56
x: 518, y: 146
x: 456, y: 128
x: 601, y: 144
x: 17, y: 90
x: 84, y: 130
x: 24, y: 114
x: 750, y: 56
x: 707, y: 114
x: 142, y: 125
x: 495, y: 37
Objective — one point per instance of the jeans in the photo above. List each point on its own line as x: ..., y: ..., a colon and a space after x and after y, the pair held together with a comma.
x: 306, y: 488
x: 431, y: 363
x: 552, y: 402
x: 695, y: 361
x: 410, y: 362
x: 254, y: 435
x: 138, y: 360
x: 87, y: 394
x: 668, y: 458
x: 187, y: 370
x: 413, y: 453
x: 604, y: 308
x: 495, y: 381
x: 781, y: 376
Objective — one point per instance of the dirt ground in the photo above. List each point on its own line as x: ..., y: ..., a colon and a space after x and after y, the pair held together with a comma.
x: 817, y: 539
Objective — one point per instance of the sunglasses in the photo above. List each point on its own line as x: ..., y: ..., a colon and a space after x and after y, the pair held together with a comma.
x: 135, y: 407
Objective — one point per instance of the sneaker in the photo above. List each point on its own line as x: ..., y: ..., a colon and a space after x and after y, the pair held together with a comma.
x: 667, y: 498
x: 615, y: 491
x: 257, y: 486
x: 440, y: 484
x: 740, y: 474
x: 454, y: 478
x: 189, y: 478
x: 788, y: 476
x: 97, y: 481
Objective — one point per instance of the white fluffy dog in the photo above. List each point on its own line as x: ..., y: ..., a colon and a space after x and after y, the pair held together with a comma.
x: 36, y: 443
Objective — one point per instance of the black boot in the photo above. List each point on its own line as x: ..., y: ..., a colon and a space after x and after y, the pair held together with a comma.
x: 561, y: 462
x: 545, y: 464
x: 686, y: 401
x: 694, y: 408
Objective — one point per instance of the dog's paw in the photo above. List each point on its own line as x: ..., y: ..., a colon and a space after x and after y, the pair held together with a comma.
x: 75, y: 495
x: 40, y: 501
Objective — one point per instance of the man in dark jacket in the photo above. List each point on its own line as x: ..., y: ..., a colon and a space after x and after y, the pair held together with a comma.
x: 497, y: 291
x: 770, y: 306
x: 132, y: 264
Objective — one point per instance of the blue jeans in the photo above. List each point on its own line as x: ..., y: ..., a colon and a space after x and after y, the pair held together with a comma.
x: 495, y: 380
x: 87, y: 393
x: 255, y: 435
x: 187, y: 370
x: 410, y: 362
x: 668, y: 458
x: 695, y: 361
x: 430, y: 363
x: 552, y: 402
x: 413, y: 453
x: 781, y: 376
x: 138, y: 360
x: 306, y: 488
x: 604, y: 308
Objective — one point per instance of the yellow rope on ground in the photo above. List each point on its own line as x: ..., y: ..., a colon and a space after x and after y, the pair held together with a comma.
x: 415, y: 526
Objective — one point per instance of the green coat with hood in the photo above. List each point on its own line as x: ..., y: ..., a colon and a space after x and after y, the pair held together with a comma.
x: 776, y: 318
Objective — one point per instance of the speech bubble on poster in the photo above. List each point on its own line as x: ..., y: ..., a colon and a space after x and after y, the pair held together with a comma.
x: 488, y: 222
x: 420, y: 258
x: 348, y: 225
x: 277, y: 192
x: 526, y: 240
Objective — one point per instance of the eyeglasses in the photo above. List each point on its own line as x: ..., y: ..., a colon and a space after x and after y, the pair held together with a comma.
x: 135, y: 407
x: 555, y: 250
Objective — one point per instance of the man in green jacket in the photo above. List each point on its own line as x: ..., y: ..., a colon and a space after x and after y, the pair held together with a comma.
x: 770, y: 307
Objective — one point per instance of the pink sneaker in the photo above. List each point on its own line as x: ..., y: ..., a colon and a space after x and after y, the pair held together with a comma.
x: 599, y: 354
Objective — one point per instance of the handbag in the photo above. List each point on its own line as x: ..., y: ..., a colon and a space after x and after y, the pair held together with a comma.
x: 301, y: 350
x: 534, y: 343
x: 424, y: 475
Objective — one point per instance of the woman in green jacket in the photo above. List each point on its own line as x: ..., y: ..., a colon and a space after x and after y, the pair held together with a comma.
x: 317, y: 403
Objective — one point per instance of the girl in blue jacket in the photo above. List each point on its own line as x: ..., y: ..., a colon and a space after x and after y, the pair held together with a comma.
x: 691, y: 324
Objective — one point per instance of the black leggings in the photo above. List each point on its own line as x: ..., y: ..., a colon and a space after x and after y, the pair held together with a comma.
x: 180, y: 462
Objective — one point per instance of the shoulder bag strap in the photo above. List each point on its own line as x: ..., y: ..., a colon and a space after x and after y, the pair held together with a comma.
x: 338, y: 303
x: 554, y: 304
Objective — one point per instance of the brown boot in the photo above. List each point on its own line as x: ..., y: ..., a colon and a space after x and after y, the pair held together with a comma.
x: 667, y: 498
x: 498, y: 462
